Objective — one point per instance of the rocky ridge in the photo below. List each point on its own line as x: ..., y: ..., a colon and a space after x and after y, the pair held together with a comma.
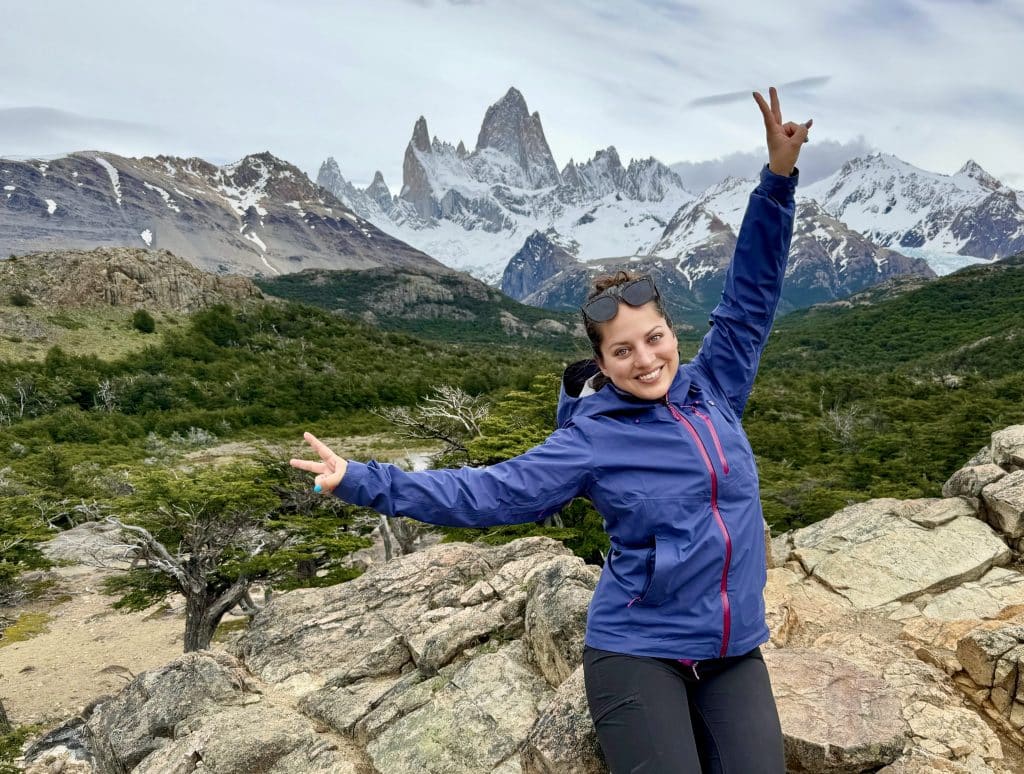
x: 260, y: 215
x: 897, y: 634
x: 120, y: 276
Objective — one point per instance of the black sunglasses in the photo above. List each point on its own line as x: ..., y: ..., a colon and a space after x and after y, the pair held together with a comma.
x: 605, y: 306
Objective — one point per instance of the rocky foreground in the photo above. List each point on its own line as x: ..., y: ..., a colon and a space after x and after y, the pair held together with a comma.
x: 897, y: 646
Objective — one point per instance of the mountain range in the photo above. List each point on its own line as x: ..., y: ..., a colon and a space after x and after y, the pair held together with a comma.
x: 506, y: 213
x: 260, y: 215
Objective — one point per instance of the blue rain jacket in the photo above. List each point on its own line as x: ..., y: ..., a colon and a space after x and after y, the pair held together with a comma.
x: 675, y: 480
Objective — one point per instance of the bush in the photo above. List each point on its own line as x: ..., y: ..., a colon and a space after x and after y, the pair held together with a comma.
x: 143, y: 321
x: 21, y: 298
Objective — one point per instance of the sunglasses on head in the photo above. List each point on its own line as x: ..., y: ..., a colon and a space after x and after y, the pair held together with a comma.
x: 604, y: 306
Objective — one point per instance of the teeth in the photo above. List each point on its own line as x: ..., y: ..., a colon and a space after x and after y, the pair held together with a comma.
x: 650, y: 377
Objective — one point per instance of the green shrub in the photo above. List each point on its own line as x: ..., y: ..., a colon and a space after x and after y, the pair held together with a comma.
x: 143, y: 321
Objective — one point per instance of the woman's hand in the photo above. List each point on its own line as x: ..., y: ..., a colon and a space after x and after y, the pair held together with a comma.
x: 784, y: 139
x: 329, y: 472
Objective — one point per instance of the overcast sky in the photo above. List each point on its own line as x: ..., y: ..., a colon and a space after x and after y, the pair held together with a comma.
x: 934, y: 82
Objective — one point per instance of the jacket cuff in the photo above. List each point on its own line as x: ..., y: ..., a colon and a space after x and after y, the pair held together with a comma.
x: 349, y: 484
x: 778, y: 187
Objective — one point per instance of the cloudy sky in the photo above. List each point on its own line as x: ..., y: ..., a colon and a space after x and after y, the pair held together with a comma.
x: 934, y: 82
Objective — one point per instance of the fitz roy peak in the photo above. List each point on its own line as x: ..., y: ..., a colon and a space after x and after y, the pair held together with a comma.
x: 475, y: 210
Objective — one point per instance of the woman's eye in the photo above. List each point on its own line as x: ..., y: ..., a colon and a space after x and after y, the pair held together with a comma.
x: 620, y: 352
x: 656, y: 337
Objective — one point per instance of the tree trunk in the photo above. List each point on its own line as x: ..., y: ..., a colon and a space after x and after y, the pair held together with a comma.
x: 5, y: 724
x: 305, y: 569
x: 198, y: 629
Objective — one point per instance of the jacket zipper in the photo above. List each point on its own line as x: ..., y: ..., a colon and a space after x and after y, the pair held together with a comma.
x: 724, y: 586
x: 714, y: 437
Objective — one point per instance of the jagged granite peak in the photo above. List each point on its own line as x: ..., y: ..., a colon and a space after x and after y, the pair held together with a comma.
x: 461, y: 150
x: 416, y: 186
x: 539, y: 259
x: 644, y: 179
x: 509, y: 128
x: 378, y: 191
x: 420, y: 136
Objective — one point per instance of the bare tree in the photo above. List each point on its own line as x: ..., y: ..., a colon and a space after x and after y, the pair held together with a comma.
x: 448, y: 415
x: 839, y: 422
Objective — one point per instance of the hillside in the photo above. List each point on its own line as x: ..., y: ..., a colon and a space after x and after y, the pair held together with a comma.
x: 966, y: 321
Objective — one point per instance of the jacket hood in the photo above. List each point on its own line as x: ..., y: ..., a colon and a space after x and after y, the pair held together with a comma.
x: 577, y: 396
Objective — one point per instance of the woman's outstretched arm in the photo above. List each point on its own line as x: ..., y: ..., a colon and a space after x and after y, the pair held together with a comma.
x: 523, y: 489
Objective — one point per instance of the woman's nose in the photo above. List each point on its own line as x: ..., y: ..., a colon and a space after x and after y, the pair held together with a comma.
x: 643, y: 356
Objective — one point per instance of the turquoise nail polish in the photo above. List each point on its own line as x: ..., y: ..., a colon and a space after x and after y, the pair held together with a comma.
x: 318, y: 488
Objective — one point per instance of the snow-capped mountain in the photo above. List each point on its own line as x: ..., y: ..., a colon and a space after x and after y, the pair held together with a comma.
x: 260, y: 215
x: 898, y: 205
x: 474, y: 210
x: 827, y: 259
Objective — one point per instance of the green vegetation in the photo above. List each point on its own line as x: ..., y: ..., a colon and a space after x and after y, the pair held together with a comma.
x: 886, y: 398
x: 143, y: 321
x: 27, y: 626
x: 11, y: 744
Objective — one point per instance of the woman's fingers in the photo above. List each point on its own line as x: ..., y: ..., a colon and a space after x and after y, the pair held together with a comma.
x: 319, y: 446
x: 776, y: 110
x: 769, y: 119
x: 310, y: 466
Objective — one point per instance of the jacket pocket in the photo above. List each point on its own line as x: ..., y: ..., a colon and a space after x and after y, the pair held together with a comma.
x: 656, y: 591
x: 633, y: 570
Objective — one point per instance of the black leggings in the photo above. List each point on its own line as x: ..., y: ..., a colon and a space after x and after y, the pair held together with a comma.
x: 660, y: 716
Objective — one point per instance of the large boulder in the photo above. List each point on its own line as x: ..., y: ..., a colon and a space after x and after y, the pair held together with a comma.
x: 1004, y: 502
x: 883, y: 551
x: 836, y: 717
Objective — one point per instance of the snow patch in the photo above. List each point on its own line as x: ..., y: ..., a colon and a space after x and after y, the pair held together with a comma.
x: 147, y: 237
x: 9, y: 187
x: 115, y: 179
x: 256, y: 240
x: 164, y: 195
x: 51, y: 206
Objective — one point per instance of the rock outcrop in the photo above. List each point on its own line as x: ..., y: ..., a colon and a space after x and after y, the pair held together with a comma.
x: 120, y: 276
x: 897, y: 646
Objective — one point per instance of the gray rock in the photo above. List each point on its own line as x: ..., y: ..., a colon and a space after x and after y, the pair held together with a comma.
x: 492, y: 700
x: 1008, y: 446
x: 836, y: 717
x: 980, y: 651
x: 1004, y: 501
x: 969, y: 481
x: 873, y: 555
x: 983, y: 598
x: 143, y: 717
x: 563, y: 740
x: 559, y: 594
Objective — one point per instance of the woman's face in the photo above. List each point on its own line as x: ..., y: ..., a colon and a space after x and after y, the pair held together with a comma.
x: 639, y: 352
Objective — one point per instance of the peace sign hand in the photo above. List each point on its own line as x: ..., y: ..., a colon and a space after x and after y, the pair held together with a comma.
x: 329, y: 471
x: 784, y: 139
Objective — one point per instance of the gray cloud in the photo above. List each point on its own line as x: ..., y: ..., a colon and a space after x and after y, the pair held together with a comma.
x: 801, y: 86
x: 42, y: 130
x: 818, y: 160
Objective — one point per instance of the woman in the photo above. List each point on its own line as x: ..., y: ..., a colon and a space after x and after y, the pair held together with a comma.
x: 674, y: 675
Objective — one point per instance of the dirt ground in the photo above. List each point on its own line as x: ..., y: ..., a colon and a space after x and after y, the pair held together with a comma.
x: 88, y: 650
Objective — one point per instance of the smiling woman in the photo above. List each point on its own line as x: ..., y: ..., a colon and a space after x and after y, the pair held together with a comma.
x: 672, y: 647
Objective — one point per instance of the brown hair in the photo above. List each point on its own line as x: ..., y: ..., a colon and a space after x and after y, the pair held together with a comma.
x: 601, y: 283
